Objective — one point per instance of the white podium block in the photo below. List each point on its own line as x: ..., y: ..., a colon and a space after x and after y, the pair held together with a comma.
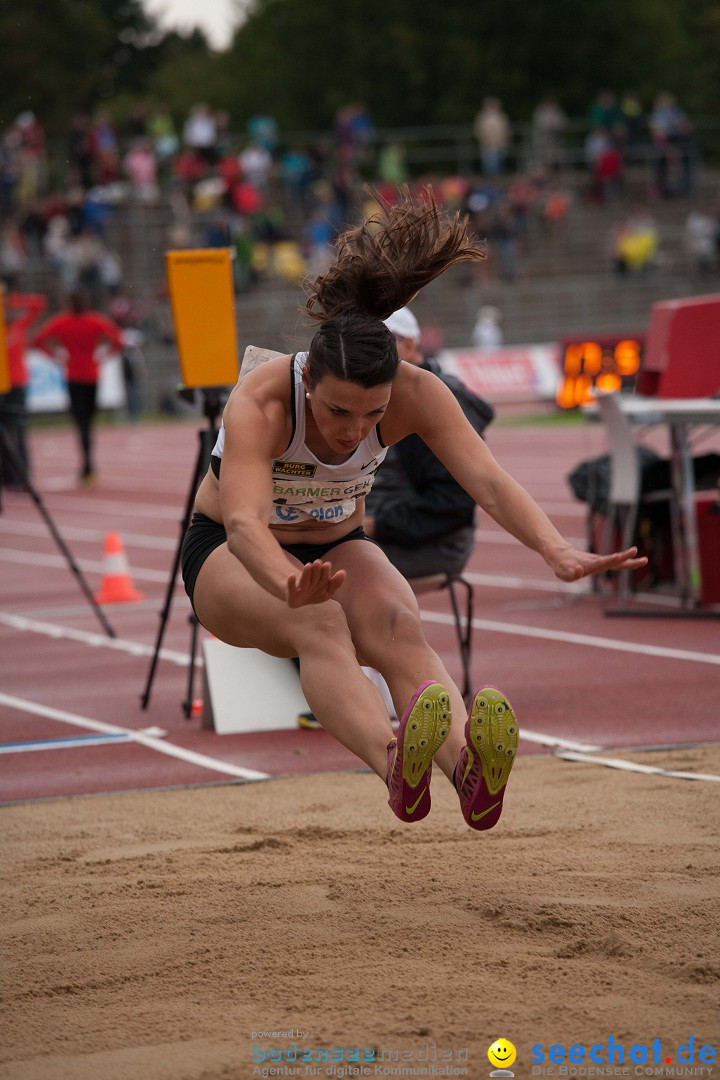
x: 247, y: 690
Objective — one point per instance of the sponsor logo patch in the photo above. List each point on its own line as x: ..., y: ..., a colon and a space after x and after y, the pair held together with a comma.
x: 294, y: 468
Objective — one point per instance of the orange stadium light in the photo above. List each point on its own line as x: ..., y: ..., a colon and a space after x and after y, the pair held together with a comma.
x: 606, y: 363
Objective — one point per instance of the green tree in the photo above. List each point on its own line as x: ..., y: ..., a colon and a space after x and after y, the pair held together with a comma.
x: 60, y: 56
x: 410, y: 63
x: 433, y: 63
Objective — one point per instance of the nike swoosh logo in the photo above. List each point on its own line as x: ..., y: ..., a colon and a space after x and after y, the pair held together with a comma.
x: 476, y: 817
x: 413, y: 808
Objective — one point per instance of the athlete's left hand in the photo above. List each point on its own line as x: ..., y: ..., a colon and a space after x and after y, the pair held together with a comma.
x: 572, y: 564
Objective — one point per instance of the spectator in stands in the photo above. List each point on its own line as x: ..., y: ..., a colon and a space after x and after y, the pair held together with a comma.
x: 80, y: 153
x: 635, y: 243
x: 675, y: 149
x: 13, y: 256
x: 354, y: 131
x: 9, y: 170
x: 264, y: 131
x: 494, y: 134
x: 223, y: 133
x: 140, y: 166
x: 256, y: 163
x: 487, y: 333
x: 555, y: 209
x: 79, y: 332
x: 604, y: 114
x: 105, y: 150
x: 200, y: 133
x: 702, y: 237
x: 161, y: 129
x: 548, y: 125
x: 137, y: 122
x: 634, y: 127
x: 31, y: 156
x: 503, y: 238
x: 296, y: 172
x: 391, y: 164
x: 81, y: 265
x: 605, y: 164
x: 318, y: 237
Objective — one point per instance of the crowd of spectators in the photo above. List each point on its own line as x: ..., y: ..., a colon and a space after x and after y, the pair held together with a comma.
x: 280, y: 205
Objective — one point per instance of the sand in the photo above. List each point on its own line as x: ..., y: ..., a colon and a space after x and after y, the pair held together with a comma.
x: 180, y: 935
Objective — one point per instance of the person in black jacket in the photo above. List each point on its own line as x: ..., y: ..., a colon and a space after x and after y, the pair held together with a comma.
x: 416, y: 512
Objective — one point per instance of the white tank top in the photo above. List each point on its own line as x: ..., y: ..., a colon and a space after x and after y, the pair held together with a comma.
x: 305, y: 488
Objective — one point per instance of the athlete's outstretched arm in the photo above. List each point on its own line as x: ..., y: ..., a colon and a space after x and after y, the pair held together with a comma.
x: 440, y: 421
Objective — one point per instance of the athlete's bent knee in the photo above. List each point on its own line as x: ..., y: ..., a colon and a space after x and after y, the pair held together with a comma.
x: 400, y: 628
x: 324, y: 622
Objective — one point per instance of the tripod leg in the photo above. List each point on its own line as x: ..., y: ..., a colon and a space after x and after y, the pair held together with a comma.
x: 207, y: 441
x: 11, y: 454
x: 188, y: 702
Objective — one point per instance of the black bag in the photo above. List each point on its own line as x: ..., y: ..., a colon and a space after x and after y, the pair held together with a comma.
x: 590, y: 480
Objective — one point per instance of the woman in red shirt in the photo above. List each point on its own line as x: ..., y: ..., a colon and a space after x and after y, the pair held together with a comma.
x: 80, y: 331
x: 21, y: 310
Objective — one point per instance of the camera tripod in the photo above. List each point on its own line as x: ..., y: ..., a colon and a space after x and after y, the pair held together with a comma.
x: 212, y: 406
x: 10, y: 454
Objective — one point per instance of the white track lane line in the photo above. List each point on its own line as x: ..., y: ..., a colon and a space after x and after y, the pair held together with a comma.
x: 498, y: 536
x: 101, y: 641
x: 633, y: 766
x: 20, y: 622
x: 88, y: 566
x: 514, y: 581
x: 188, y: 756
x: 556, y: 740
x: 74, y: 534
x: 116, y: 508
x: 570, y: 638
x: 80, y: 742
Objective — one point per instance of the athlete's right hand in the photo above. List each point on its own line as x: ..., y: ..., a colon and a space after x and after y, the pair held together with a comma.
x: 314, y: 584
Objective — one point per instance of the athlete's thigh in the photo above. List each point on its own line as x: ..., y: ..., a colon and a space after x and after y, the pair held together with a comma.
x: 374, y: 591
x: 232, y: 606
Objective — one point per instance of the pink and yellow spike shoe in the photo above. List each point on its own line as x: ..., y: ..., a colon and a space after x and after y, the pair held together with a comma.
x: 483, y: 768
x: 422, y: 731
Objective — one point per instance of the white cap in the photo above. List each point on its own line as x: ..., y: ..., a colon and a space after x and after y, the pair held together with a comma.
x: 403, y: 324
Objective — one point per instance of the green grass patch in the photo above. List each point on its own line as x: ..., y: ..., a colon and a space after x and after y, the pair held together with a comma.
x: 558, y: 418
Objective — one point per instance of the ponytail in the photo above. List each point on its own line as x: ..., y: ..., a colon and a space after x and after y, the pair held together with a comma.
x: 381, y: 264
x: 379, y: 267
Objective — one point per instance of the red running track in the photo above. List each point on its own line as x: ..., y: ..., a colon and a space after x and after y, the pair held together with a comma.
x: 574, y: 676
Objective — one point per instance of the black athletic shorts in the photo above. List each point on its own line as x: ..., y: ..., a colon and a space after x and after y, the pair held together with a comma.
x: 204, y: 535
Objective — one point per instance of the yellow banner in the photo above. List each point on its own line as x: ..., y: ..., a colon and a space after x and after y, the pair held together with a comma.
x: 203, y: 307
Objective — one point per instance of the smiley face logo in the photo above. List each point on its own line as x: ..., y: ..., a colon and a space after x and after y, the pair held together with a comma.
x: 501, y: 1054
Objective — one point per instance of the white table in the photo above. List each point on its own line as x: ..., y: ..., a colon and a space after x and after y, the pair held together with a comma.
x: 680, y: 416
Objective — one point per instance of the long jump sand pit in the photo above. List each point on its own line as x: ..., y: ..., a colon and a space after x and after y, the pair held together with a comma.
x: 186, y: 934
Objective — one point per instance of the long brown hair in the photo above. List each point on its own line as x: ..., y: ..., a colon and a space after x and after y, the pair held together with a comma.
x: 379, y: 267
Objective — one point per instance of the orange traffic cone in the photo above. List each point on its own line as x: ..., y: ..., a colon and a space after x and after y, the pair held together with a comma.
x: 117, y: 586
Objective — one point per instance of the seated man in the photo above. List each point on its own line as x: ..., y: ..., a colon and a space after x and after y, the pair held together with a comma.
x: 417, y: 513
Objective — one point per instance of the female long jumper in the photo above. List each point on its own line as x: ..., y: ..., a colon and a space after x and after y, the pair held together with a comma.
x: 276, y: 557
